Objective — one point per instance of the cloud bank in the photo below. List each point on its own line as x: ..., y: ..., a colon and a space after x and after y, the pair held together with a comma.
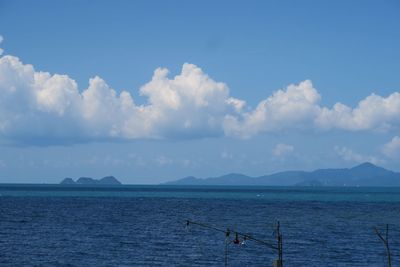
x: 41, y: 108
x: 281, y: 150
x: 392, y: 148
x: 351, y: 156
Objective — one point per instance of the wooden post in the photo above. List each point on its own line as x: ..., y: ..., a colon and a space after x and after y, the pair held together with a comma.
x: 385, y: 242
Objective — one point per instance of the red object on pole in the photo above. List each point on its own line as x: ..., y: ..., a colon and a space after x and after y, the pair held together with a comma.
x: 236, y: 241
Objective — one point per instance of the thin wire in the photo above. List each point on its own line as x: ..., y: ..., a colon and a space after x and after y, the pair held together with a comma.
x: 236, y: 232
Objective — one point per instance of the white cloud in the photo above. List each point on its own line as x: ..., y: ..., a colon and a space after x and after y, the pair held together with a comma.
x: 392, y: 148
x: 40, y: 108
x: 35, y: 105
x: 162, y: 160
x: 295, y: 107
x: 372, y: 113
x: 1, y: 40
x: 351, y: 156
x: 191, y: 104
x: 282, y: 150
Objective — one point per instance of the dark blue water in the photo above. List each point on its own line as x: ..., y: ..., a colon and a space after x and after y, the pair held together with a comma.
x: 145, y: 225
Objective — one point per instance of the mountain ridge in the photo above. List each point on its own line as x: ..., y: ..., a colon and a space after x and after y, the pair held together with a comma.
x: 365, y: 174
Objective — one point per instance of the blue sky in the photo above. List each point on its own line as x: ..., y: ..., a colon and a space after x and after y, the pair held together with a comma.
x: 253, y: 87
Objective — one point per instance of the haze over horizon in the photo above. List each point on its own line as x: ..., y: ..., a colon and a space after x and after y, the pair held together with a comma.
x: 196, y: 89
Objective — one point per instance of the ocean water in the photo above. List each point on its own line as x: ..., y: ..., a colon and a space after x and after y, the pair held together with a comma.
x: 50, y: 225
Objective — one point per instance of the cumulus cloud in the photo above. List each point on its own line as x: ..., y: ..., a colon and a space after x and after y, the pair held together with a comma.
x: 282, y: 150
x: 41, y: 108
x: 352, y: 156
x: 35, y: 105
x: 392, y: 148
x: 372, y: 113
x: 294, y: 107
x: 189, y: 105
x: 297, y: 108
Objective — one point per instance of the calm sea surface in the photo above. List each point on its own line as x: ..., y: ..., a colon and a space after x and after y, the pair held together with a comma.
x: 50, y: 225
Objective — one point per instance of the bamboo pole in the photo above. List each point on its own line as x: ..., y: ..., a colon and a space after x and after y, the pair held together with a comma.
x: 385, y: 241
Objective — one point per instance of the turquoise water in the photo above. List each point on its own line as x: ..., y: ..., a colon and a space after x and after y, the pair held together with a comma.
x: 358, y: 194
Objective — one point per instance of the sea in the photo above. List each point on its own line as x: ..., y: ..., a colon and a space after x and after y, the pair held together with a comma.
x: 53, y: 225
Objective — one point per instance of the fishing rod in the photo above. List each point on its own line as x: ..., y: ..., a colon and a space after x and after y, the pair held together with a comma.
x: 227, y: 232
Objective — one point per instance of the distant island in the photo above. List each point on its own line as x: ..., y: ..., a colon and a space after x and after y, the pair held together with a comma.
x: 366, y: 174
x: 108, y: 180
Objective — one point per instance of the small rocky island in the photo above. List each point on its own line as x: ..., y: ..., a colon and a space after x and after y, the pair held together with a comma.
x: 108, y: 180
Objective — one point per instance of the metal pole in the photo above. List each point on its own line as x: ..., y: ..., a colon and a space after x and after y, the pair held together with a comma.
x: 249, y: 237
x: 280, y: 247
x: 281, y: 251
x: 227, y: 233
x: 226, y: 253
x: 245, y: 236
